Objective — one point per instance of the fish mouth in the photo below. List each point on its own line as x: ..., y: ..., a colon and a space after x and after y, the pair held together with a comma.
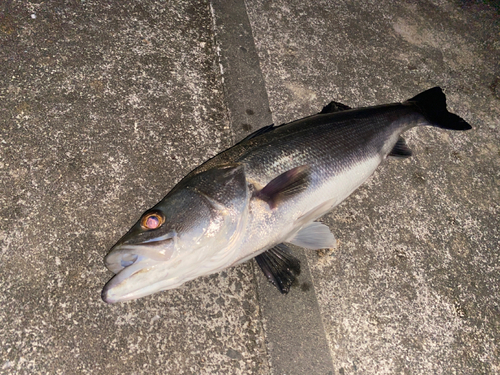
x: 139, y: 271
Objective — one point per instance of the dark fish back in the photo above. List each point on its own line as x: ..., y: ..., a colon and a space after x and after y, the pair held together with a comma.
x: 334, y: 141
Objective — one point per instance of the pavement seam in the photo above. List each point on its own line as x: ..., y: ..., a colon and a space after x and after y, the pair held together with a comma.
x: 295, y: 338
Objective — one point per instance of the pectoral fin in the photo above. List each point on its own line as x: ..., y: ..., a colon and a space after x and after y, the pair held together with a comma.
x: 285, y: 185
x: 314, y: 236
x: 279, y: 266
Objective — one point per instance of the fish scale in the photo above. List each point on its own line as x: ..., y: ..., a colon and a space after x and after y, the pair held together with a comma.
x: 265, y: 191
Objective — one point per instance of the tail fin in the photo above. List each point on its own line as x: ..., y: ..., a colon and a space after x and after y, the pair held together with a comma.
x: 432, y: 104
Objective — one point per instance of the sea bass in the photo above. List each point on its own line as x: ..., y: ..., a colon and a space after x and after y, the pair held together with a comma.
x: 265, y: 191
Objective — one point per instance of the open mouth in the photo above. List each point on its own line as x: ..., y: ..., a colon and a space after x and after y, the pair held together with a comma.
x: 137, y: 273
x: 123, y: 256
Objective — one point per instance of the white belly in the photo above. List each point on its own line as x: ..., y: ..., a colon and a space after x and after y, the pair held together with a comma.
x: 268, y: 227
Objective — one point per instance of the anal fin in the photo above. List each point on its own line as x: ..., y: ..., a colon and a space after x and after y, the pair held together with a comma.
x: 314, y: 236
x: 279, y: 266
x: 400, y: 149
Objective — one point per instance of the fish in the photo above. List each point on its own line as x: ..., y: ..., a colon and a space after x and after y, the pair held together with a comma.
x: 263, y: 193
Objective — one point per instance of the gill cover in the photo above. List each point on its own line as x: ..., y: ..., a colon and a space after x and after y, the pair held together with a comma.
x: 194, y: 223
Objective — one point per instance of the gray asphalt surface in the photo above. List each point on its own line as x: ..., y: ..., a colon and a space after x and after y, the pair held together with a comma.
x: 105, y: 106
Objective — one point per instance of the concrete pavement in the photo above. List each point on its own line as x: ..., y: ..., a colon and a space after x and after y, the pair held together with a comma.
x: 105, y: 106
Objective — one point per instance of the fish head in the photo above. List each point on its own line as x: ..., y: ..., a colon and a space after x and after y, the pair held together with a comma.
x: 188, y: 234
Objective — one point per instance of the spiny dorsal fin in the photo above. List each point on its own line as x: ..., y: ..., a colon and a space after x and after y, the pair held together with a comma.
x: 401, y: 150
x: 334, y: 107
x: 279, y: 266
x: 258, y: 132
x: 287, y: 184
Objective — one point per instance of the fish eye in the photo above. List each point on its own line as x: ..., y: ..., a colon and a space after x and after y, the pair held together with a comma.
x: 152, y: 220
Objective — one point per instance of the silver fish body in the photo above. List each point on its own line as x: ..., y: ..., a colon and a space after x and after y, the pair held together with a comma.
x: 266, y: 190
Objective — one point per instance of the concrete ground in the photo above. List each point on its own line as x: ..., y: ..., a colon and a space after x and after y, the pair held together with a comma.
x: 106, y: 105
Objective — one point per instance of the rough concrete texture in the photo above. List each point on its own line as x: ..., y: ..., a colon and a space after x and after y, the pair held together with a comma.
x: 413, y: 286
x: 104, y: 106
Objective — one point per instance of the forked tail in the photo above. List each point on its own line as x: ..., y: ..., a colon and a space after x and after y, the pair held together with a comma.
x: 432, y: 104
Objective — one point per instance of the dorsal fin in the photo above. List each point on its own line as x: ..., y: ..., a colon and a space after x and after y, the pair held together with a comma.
x: 329, y: 108
x: 258, y: 132
x: 334, y: 107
